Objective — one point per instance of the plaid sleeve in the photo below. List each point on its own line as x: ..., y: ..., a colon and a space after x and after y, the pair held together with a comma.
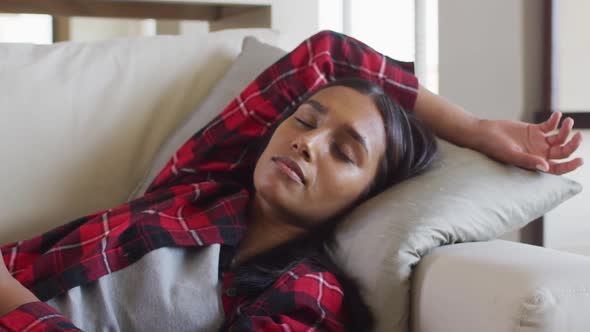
x: 228, y: 145
x: 35, y: 316
x: 300, y: 300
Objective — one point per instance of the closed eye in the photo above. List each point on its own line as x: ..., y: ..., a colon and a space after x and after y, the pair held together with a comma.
x: 337, y: 150
x: 341, y: 154
x: 303, y: 123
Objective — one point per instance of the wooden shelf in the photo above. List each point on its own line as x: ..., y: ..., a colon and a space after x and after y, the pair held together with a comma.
x: 162, y: 9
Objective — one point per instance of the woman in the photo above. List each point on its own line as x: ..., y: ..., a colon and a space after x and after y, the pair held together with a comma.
x: 344, y: 144
x: 268, y: 214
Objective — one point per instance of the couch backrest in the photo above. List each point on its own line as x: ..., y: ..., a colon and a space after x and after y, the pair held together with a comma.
x: 81, y: 122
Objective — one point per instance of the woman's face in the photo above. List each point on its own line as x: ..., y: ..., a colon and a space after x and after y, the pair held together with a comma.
x: 323, y: 157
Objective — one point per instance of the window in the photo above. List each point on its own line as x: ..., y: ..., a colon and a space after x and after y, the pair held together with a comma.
x: 405, y: 30
x: 26, y: 28
x: 385, y: 25
x: 427, y: 43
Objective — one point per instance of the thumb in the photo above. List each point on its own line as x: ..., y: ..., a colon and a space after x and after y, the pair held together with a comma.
x: 531, y: 161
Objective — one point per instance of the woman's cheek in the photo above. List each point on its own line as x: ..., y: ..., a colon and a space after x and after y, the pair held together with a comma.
x: 342, y: 184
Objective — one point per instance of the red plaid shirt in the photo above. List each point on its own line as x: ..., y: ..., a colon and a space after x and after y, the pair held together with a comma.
x: 199, y: 198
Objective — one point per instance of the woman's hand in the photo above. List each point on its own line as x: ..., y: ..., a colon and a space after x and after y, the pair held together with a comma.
x: 4, y: 274
x: 528, y: 145
x: 12, y: 293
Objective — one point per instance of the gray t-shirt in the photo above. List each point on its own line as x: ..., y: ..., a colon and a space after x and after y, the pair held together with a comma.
x: 168, y: 289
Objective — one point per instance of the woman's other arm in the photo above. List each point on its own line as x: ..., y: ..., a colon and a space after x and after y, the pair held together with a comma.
x: 21, y: 310
x: 12, y: 293
x: 447, y: 120
x: 517, y: 143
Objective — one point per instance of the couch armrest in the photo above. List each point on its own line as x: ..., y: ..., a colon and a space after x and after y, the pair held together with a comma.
x: 500, y: 286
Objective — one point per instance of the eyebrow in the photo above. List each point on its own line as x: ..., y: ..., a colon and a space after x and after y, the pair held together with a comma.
x: 349, y: 130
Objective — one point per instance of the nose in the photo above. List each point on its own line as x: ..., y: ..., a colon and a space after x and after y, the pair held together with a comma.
x: 306, y: 144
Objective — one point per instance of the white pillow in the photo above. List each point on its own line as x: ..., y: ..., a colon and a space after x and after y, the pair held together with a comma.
x: 253, y: 59
x: 81, y: 122
x: 464, y: 197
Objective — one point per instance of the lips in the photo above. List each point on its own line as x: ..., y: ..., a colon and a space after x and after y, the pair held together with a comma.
x: 292, y: 166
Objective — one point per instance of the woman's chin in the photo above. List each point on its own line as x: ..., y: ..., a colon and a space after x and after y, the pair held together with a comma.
x: 279, y: 191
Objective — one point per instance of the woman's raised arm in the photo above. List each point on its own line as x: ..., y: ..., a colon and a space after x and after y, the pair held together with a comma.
x: 518, y: 143
x: 227, y: 146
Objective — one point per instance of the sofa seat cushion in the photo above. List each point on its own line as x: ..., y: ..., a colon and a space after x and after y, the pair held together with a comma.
x: 501, y: 286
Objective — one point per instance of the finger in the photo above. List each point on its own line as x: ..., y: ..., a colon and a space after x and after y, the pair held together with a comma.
x: 564, y: 151
x: 529, y: 161
x: 551, y: 123
x: 564, y: 167
x: 563, y: 133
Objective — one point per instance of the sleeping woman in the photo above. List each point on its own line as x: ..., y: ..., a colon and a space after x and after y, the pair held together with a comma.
x: 243, y: 212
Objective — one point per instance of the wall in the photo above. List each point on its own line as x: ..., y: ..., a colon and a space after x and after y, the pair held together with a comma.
x: 92, y: 29
x: 572, y: 49
x: 485, y: 53
x: 489, y: 58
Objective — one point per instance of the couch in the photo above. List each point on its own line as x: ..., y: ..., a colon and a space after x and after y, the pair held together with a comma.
x: 72, y: 144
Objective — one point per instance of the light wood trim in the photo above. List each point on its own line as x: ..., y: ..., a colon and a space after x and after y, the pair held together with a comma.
x: 61, y: 28
x: 229, y: 18
x: 121, y: 9
x: 167, y: 27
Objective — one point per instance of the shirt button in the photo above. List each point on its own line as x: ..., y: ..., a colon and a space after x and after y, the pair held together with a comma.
x: 231, y: 292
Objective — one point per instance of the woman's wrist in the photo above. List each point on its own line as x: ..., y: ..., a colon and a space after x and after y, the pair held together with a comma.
x: 13, y: 295
x: 470, y: 136
x: 462, y: 129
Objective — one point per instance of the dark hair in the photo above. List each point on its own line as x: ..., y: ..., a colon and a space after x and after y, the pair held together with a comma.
x: 411, y: 148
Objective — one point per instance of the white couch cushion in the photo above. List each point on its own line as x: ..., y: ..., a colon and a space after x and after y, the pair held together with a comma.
x: 81, y: 122
x: 501, y: 286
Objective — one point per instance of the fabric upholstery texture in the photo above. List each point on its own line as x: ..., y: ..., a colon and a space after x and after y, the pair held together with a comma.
x: 80, y: 122
x: 499, y: 285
